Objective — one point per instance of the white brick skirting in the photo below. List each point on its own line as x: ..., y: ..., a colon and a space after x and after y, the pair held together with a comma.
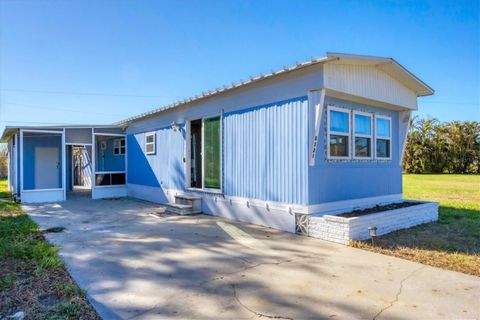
x: 342, y: 230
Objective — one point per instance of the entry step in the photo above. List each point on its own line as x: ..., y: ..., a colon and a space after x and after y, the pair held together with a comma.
x: 193, y: 201
x: 187, y: 197
x: 181, y: 209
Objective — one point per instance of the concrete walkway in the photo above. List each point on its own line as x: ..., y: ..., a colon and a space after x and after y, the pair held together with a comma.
x: 136, y: 265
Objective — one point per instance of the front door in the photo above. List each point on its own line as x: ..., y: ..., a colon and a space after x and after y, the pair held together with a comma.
x: 47, y: 168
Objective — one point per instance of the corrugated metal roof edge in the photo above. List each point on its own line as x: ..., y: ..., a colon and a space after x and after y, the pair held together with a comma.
x: 330, y: 56
x: 226, y: 88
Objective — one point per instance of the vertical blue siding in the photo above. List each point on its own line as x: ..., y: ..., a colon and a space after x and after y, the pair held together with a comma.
x: 165, y: 168
x: 266, y: 152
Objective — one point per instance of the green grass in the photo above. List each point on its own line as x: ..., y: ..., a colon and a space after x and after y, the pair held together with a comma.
x: 454, y: 241
x: 30, y: 270
x: 451, y: 190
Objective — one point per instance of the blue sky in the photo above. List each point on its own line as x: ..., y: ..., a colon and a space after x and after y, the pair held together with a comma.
x: 102, y: 61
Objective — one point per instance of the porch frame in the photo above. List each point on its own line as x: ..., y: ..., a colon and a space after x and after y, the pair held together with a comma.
x: 109, y: 191
x: 52, y: 191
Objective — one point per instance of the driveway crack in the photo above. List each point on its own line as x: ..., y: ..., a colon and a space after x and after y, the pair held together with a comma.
x: 399, y: 292
x: 253, y: 311
x: 251, y: 267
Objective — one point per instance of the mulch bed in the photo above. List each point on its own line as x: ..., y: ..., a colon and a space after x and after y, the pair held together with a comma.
x: 376, y: 209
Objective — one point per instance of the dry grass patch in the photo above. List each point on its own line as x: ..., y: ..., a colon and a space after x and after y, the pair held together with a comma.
x: 451, y: 243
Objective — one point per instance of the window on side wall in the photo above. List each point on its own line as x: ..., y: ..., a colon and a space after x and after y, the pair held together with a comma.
x: 150, y: 143
x: 362, y: 135
x: 383, y: 137
x: 338, y: 133
x: 119, y: 147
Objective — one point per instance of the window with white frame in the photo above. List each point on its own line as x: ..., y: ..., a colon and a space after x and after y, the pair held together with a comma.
x: 338, y: 133
x: 119, y: 147
x: 150, y: 143
x: 362, y: 135
x: 383, y: 137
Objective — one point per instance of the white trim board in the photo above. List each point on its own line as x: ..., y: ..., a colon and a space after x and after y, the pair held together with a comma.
x: 318, y: 109
x: 39, y: 196
x: 110, y: 192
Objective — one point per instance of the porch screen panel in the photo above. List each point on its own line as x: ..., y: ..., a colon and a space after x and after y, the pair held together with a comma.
x: 78, y: 135
x: 212, y: 162
x: 42, y: 161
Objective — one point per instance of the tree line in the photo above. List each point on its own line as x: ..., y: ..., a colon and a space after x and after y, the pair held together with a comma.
x: 435, y: 147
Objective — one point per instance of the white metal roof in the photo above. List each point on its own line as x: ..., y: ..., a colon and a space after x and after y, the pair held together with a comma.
x: 388, y: 65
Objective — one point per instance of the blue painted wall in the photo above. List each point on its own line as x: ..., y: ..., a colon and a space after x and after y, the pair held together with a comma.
x: 335, y: 180
x: 29, y: 145
x: 165, y: 168
x: 265, y: 143
x: 266, y: 152
x: 106, y: 160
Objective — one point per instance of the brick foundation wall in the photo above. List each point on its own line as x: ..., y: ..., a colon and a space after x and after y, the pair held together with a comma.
x: 342, y: 230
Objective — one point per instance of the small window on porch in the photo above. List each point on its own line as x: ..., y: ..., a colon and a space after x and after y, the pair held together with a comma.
x: 119, y: 147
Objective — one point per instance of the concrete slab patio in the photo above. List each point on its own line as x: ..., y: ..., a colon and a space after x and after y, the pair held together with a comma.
x: 137, y: 265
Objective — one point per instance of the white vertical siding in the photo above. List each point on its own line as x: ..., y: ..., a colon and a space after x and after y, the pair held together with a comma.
x: 368, y: 82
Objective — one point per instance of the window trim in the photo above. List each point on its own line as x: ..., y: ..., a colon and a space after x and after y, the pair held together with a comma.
x: 371, y: 136
x: 188, y: 155
x: 389, y: 138
x: 336, y: 133
x: 154, y: 143
x: 119, y: 141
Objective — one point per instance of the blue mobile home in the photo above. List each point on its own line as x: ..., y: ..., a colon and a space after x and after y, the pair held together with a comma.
x: 319, y: 137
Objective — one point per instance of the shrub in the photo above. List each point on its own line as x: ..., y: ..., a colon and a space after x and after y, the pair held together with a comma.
x: 434, y: 147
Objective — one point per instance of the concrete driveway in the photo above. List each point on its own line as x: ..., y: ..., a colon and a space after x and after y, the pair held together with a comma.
x: 136, y: 265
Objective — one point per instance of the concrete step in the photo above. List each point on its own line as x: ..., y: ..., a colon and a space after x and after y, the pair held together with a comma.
x: 181, y: 209
x: 195, y: 202
x: 187, y: 197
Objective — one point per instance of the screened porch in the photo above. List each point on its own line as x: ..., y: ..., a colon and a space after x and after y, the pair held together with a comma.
x: 60, y: 163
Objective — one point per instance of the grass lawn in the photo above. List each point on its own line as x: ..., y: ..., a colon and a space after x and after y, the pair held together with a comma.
x: 451, y: 243
x: 33, y: 278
